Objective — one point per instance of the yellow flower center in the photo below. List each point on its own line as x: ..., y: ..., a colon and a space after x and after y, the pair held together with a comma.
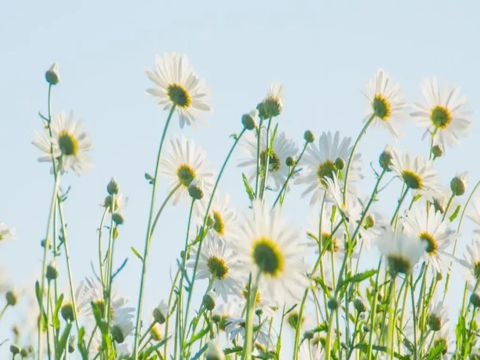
x: 258, y: 298
x: 412, y: 179
x: 217, y: 267
x: 68, y: 143
x: 440, y: 117
x: 329, y: 242
x: 267, y: 256
x: 273, y: 160
x: 432, y: 244
x: 185, y: 174
x: 179, y: 95
x: 326, y: 169
x: 218, y: 224
x: 381, y: 107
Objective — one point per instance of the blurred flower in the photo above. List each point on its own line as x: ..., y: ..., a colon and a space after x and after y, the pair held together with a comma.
x: 222, y: 215
x: 6, y: 232
x: 281, y: 149
x: 272, y: 105
x: 177, y: 85
x: 69, y: 144
x: 443, y: 112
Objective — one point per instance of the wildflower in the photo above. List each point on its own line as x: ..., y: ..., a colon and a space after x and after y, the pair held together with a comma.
x: 417, y: 174
x: 6, y: 232
x: 185, y: 163
x: 219, y: 263
x: 401, y: 252
x: 458, y: 184
x: 272, y: 105
x: 386, y: 102
x: 321, y: 162
x: 160, y: 313
x: 429, y: 228
x: 177, y: 85
x: 437, y: 317
x: 443, y: 112
x: 68, y: 145
x: 222, y: 216
x: 213, y: 352
x: 281, y: 149
x: 52, y: 76
x: 268, y: 245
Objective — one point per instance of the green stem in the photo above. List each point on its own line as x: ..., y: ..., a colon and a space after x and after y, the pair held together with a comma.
x: 267, y: 159
x: 148, y: 237
x: 252, y: 293
x: 257, y: 177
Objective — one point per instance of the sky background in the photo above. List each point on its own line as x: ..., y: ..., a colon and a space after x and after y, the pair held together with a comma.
x: 324, y: 52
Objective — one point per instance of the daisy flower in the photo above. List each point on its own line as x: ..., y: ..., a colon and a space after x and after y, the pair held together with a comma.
x: 214, y: 352
x: 219, y: 263
x: 272, y: 105
x: 184, y: 163
x: 221, y: 214
x: 443, y: 112
x: 324, y: 226
x: 442, y: 202
x: 160, y: 312
x: 268, y: 245
x: 6, y: 232
x: 472, y: 259
x: 68, y: 145
x: 281, y: 149
x: 177, y: 85
x: 387, y: 103
x: 437, y: 317
x: 402, y: 252
x: 325, y: 161
x: 235, y: 329
x: 417, y: 173
x: 429, y: 228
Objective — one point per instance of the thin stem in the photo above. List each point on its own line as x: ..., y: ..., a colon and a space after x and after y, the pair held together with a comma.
x: 257, y: 177
x: 148, y: 236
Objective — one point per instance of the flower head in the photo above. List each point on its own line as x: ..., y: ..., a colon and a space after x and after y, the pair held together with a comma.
x: 386, y: 102
x: 272, y: 105
x: 177, y: 85
x: 68, y: 144
x: 6, y: 232
x: 443, y: 112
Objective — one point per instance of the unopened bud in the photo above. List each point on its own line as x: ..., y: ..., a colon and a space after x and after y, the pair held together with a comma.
x: 209, y: 301
x: 339, y: 164
x: 385, y: 160
x: 67, y: 312
x: 118, y: 218
x: 248, y: 120
x: 359, y: 305
x: 308, y: 136
x: 458, y: 186
x: 14, y: 349
x: 290, y: 161
x: 332, y: 304
x: 437, y: 151
x: 52, y: 272
x: 112, y: 187
x: 159, y: 316
x: 475, y: 300
x: 434, y: 322
x: 11, y: 298
x: 195, y: 191
x: 52, y: 76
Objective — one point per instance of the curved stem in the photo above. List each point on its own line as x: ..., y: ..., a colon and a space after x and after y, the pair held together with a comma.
x: 148, y: 237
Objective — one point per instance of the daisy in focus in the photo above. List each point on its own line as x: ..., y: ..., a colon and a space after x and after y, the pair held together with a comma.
x: 281, y: 149
x: 176, y: 85
x: 387, y: 103
x: 218, y: 263
x: 183, y: 164
x: 68, y: 144
x: 325, y: 161
x: 268, y: 246
x: 429, y: 227
x: 417, y: 173
x: 443, y: 112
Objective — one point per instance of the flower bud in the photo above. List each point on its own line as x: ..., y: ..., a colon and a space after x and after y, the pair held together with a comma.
x: 118, y: 218
x: 11, y: 298
x: 359, y: 305
x: 332, y: 304
x: 52, y: 76
x: 159, y: 315
x: 290, y: 161
x: 214, y: 353
x: 14, y: 349
x: 209, y: 301
x: 293, y: 319
x: 195, y: 191
x: 339, y: 164
x: 248, y: 120
x: 67, y: 312
x: 369, y: 222
x: 385, y: 159
x: 112, y: 187
x: 117, y: 334
x: 308, y: 136
x: 458, y: 186
x: 437, y: 151
x: 52, y: 272
x: 475, y: 300
x: 434, y: 322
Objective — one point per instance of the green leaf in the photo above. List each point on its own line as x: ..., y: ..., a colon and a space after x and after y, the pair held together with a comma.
x: 455, y: 213
x: 56, y: 319
x: 62, y: 342
x: 248, y: 188
x: 137, y: 254
x: 436, y: 352
x: 149, y: 178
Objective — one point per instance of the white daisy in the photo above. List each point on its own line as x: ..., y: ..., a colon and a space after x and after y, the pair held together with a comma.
x: 6, y: 232
x: 325, y: 161
x: 441, y: 200
x: 184, y: 163
x: 427, y: 225
x: 160, y: 312
x: 268, y: 245
x: 438, y: 317
x: 282, y: 148
x: 177, y: 85
x: 324, y: 226
x: 221, y: 214
x: 401, y: 252
x: 472, y: 259
x: 272, y: 105
x: 69, y: 144
x: 443, y: 112
x: 218, y: 263
x: 417, y: 173
x: 235, y: 329
x: 386, y: 102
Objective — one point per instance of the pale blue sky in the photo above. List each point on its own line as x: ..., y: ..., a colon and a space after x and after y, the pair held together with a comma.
x: 323, y: 52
